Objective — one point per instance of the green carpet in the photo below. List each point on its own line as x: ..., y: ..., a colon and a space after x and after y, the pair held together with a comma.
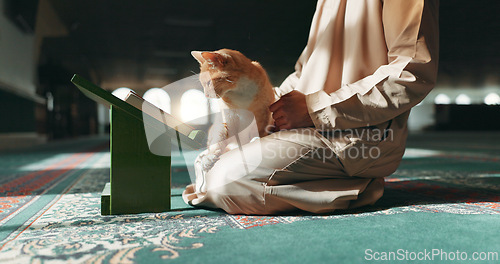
x: 441, y: 205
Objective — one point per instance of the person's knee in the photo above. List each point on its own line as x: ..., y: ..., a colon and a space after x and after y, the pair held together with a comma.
x: 230, y: 199
x: 235, y: 193
x: 222, y: 173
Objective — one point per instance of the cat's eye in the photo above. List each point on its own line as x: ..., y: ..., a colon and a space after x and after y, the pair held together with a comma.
x: 209, y: 82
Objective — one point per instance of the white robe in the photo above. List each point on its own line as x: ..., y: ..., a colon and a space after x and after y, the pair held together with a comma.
x: 366, y: 64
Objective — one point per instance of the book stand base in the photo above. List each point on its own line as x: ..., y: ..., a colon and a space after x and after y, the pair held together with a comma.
x: 139, y: 180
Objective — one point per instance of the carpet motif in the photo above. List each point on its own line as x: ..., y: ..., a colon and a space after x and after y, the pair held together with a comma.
x: 68, y: 226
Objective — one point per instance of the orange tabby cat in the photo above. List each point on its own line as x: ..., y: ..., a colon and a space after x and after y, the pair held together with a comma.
x: 242, y: 84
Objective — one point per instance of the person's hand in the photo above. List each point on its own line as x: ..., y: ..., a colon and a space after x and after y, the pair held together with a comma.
x: 290, y: 111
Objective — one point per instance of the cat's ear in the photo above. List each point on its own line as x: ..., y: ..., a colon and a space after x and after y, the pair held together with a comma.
x: 197, y: 56
x: 214, y: 58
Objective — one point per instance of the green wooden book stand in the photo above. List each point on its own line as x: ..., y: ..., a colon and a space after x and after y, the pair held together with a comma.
x: 140, y: 174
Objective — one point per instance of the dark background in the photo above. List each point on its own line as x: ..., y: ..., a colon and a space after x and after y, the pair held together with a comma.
x: 145, y: 44
x: 152, y: 39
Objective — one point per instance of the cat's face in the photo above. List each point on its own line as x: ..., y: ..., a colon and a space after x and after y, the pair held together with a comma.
x: 220, y: 70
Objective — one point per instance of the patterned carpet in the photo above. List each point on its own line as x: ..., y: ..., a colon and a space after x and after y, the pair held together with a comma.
x: 445, y: 196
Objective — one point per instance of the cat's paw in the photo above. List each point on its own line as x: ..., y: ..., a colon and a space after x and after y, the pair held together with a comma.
x: 209, y: 158
x: 209, y: 161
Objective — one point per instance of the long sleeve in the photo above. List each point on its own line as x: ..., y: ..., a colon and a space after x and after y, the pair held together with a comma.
x: 288, y: 85
x: 410, y: 29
